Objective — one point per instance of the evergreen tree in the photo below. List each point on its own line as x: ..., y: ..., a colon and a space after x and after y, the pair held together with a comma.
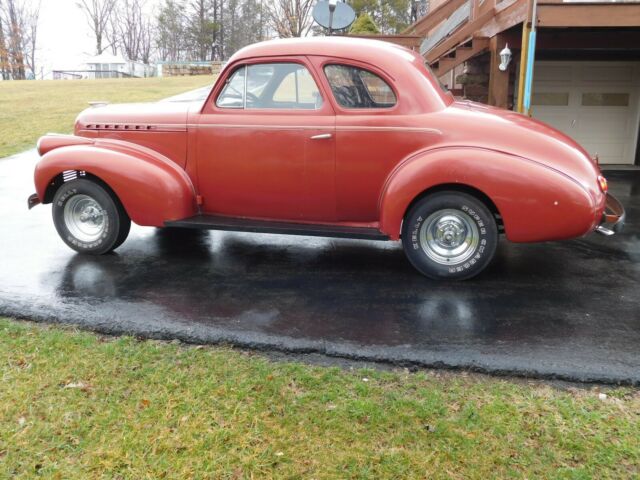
x: 390, y: 16
x: 364, y: 25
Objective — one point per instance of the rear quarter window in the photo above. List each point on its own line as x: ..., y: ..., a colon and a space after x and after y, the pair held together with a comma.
x: 355, y: 87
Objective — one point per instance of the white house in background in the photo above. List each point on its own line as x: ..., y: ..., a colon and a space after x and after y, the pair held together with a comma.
x: 106, y: 65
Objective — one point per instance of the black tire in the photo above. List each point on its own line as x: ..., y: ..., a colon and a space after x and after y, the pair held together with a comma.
x: 89, y: 217
x: 449, y: 235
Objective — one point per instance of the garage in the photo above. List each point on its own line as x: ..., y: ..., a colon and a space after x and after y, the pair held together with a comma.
x: 586, y: 76
x: 596, y: 103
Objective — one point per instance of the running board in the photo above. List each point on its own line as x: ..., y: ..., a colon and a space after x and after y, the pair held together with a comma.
x: 213, y: 222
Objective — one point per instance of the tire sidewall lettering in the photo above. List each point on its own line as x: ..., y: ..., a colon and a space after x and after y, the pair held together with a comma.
x: 66, y: 196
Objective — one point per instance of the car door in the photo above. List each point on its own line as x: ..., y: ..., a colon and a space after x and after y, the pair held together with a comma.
x: 376, y: 127
x: 265, y: 144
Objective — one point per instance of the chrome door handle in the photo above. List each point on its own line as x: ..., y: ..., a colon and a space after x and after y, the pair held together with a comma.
x: 322, y: 136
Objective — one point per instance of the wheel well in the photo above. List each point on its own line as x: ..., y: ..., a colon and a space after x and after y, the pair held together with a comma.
x: 456, y: 187
x: 69, y: 175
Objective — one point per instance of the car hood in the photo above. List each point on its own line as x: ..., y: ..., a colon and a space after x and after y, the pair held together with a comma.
x: 475, y: 124
x: 142, y: 114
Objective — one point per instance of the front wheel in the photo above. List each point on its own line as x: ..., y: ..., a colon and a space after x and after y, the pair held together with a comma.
x: 449, y: 235
x: 89, y: 217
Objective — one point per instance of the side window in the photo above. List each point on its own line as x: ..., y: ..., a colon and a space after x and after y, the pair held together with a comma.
x: 355, y: 87
x: 271, y: 86
x: 258, y: 79
x: 298, y: 87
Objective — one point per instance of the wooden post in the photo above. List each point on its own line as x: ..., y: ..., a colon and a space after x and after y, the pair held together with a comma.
x: 523, y: 65
x: 498, y: 80
x: 524, y: 51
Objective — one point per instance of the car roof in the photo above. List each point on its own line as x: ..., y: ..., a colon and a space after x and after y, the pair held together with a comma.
x: 365, y: 50
x: 422, y: 92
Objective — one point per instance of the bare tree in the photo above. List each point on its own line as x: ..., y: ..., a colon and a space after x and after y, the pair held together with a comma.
x: 217, y: 30
x: 146, y: 39
x: 291, y: 18
x: 132, y: 30
x: 170, y: 31
x: 5, y: 67
x: 187, y: 30
x: 98, y: 13
x: 202, y: 28
x: 111, y: 34
x: 31, y: 17
x: 13, y: 19
x: 244, y: 24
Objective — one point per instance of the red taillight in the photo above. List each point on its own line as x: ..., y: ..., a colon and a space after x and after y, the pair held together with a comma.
x: 604, y: 186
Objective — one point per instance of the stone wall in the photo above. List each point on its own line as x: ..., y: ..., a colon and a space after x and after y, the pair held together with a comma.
x: 185, y: 69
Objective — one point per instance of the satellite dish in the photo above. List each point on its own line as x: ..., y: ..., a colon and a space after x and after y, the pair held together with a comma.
x: 333, y: 15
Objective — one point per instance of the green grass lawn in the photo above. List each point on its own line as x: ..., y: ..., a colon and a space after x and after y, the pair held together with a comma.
x: 78, y: 405
x: 29, y: 109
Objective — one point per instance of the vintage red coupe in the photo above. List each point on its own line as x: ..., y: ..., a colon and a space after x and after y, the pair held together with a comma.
x: 333, y: 137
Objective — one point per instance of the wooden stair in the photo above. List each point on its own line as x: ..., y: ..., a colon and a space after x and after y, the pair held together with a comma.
x: 459, y: 54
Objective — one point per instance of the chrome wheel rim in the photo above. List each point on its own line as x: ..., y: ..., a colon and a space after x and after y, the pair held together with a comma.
x: 449, y: 237
x: 85, y: 218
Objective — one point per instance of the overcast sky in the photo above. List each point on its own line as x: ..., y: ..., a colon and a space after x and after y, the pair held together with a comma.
x: 65, y: 39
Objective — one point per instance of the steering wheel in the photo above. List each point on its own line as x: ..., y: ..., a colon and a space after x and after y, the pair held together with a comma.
x: 250, y: 96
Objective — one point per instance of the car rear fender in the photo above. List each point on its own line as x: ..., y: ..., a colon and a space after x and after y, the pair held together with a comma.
x: 152, y: 188
x: 536, y: 202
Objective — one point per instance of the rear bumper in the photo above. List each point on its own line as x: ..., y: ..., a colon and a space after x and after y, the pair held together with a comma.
x: 613, y: 217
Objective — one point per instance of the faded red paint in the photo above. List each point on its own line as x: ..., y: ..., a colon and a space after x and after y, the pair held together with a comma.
x: 169, y: 161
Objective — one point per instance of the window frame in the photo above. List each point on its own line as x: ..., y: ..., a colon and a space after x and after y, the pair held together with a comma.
x: 245, y: 64
x: 226, y: 82
x: 388, y: 79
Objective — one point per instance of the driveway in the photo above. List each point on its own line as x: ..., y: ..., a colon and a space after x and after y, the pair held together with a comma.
x: 557, y: 310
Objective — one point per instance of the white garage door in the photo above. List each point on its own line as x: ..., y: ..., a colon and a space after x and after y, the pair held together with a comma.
x: 596, y: 103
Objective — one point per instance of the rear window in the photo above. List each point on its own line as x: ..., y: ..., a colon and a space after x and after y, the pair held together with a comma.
x: 355, y: 87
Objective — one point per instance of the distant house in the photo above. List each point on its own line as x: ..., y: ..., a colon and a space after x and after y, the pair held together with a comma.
x: 586, y: 79
x: 115, y: 66
x: 107, y: 65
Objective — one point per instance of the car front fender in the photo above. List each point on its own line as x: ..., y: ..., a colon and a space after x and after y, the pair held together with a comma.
x: 536, y: 202
x: 152, y: 188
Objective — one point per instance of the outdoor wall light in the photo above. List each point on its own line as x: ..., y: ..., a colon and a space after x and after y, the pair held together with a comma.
x: 505, y: 58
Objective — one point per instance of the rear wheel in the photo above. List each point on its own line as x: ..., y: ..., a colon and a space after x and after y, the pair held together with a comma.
x: 89, y: 217
x: 449, y: 235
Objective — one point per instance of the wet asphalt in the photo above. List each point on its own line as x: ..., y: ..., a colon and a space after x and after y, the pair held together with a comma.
x: 561, y: 310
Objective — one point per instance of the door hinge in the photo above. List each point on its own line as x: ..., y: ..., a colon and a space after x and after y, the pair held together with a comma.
x: 199, y: 200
